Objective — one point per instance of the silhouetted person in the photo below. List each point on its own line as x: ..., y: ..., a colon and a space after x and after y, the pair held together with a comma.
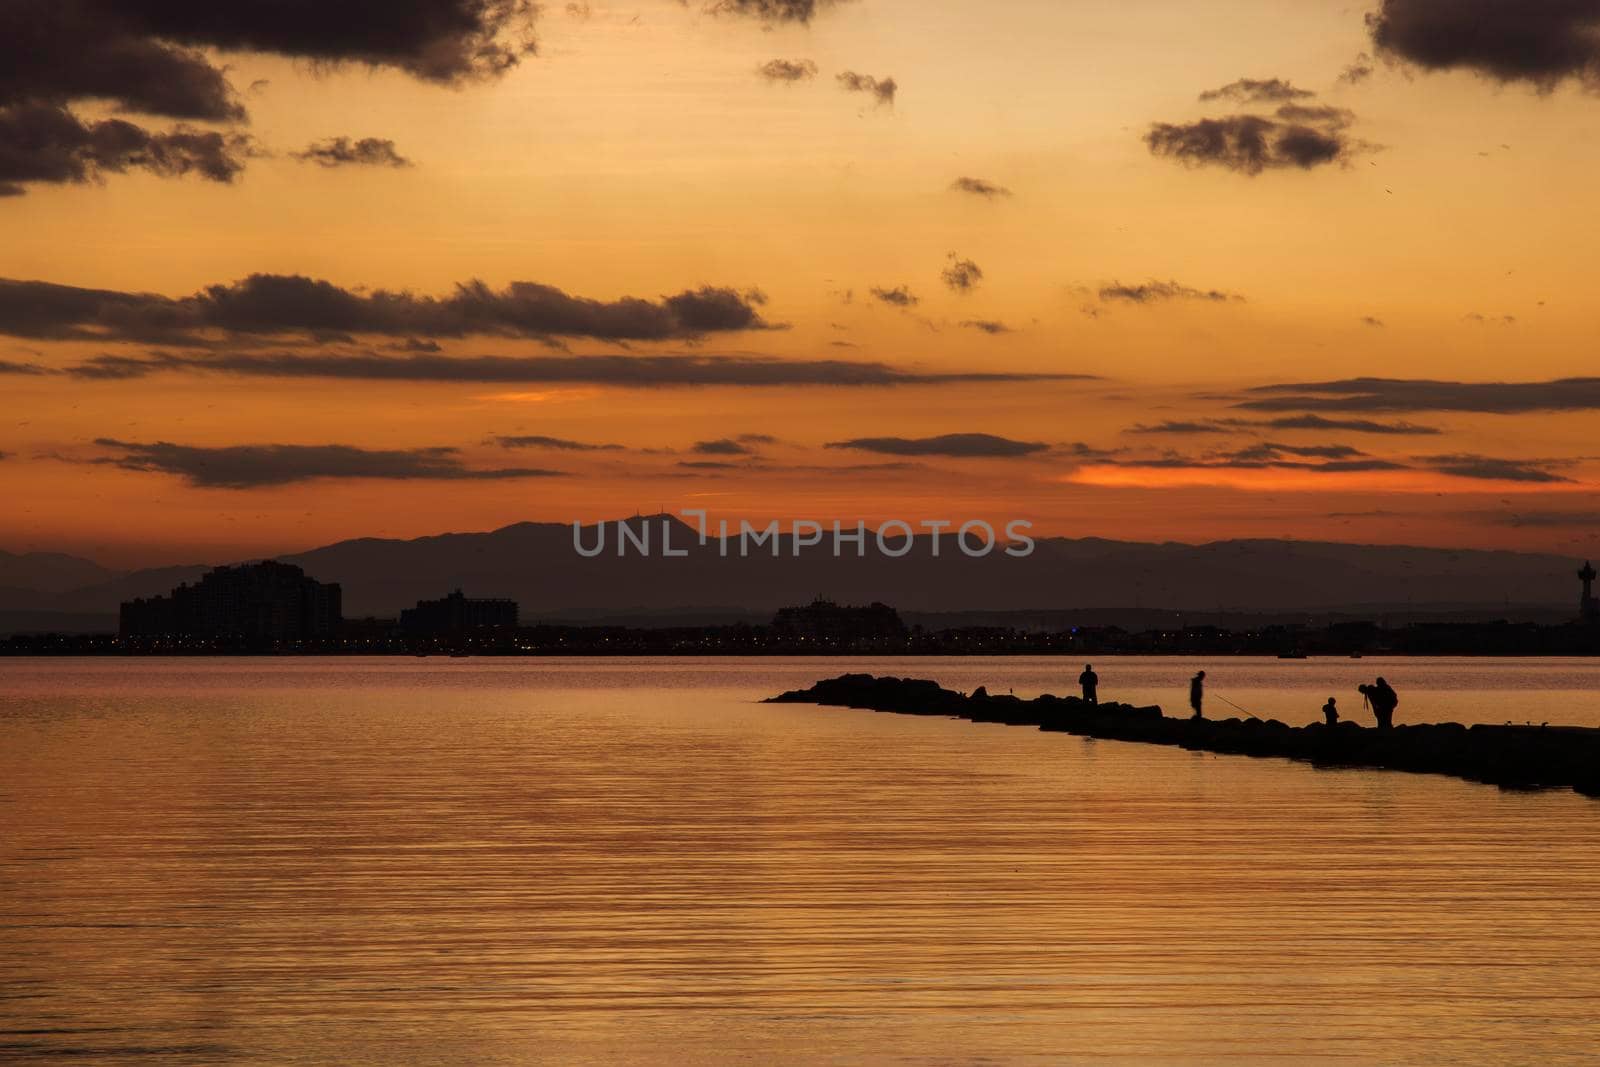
x: 1330, y: 712
x: 1383, y: 699
x: 1091, y: 684
x: 1197, y: 694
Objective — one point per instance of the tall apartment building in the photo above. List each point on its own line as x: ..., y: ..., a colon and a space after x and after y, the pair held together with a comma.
x: 267, y: 601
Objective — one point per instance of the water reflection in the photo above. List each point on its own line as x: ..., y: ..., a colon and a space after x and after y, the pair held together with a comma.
x: 483, y: 861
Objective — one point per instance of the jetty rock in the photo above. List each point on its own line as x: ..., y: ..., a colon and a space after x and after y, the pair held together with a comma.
x: 1512, y: 757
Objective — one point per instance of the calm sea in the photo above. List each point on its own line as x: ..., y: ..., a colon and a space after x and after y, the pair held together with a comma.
x: 437, y: 861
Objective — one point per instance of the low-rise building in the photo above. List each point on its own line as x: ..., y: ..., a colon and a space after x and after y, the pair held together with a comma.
x: 824, y: 622
x: 457, y: 613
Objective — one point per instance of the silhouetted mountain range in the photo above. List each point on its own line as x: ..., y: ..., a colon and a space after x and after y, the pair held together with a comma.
x: 536, y: 564
x: 47, y: 572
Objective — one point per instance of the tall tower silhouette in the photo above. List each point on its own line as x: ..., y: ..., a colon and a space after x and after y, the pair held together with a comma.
x: 1588, y: 606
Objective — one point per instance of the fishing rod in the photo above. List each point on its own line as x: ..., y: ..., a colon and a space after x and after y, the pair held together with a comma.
x: 1231, y: 704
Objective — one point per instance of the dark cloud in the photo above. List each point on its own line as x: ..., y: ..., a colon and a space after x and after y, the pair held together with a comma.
x: 1586, y: 519
x: 1257, y: 91
x: 899, y: 296
x: 1266, y: 455
x: 771, y: 10
x: 1299, y: 136
x: 1489, y: 468
x: 959, y: 445
x: 757, y: 439
x: 41, y: 142
x: 725, y: 446
x: 1080, y: 450
x: 858, y: 468
x: 9, y: 367
x: 1317, y: 422
x: 1490, y: 320
x: 1349, y: 466
x: 1270, y: 450
x: 1152, y: 292
x: 343, y: 152
x: 1317, y: 114
x: 144, y: 57
x: 554, y: 444
x: 1373, y: 513
x: 414, y: 344
x: 1359, y: 70
x: 1269, y: 455
x: 277, y: 304
x: 1287, y: 422
x: 962, y: 275
x: 613, y: 370
x: 989, y: 326
x: 1540, y: 42
x: 1227, y: 461
x: 257, y: 466
x: 883, y: 90
x: 58, y: 51
x: 123, y: 368
x: 436, y: 40
x: 788, y: 70
x: 979, y: 187
x: 1370, y: 320
x: 710, y: 466
x: 1186, y: 428
x: 1405, y: 395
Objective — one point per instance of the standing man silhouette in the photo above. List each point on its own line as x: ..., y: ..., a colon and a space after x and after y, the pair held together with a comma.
x: 1091, y: 684
x: 1197, y: 693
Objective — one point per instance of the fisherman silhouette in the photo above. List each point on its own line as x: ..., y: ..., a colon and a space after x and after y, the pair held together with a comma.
x: 1091, y: 684
x: 1383, y: 699
x: 1197, y: 693
x: 1330, y: 712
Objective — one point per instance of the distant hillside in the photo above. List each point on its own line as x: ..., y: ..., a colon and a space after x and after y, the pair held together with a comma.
x: 109, y: 594
x: 47, y: 572
x: 535, y: 563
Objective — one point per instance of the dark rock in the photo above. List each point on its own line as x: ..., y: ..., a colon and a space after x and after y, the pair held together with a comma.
x: 1512, y: 757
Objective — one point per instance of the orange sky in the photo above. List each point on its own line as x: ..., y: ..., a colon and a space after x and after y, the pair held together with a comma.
x: 640, y: 154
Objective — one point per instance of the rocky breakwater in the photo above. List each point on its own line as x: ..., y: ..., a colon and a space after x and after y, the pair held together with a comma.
x: 1513, y: 757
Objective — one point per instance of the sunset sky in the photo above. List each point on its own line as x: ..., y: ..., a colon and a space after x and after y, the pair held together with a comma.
x: 327, y: 271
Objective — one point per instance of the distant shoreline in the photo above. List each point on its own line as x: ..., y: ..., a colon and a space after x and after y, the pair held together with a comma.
x: 45, y: 652
x: 465, y: 626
